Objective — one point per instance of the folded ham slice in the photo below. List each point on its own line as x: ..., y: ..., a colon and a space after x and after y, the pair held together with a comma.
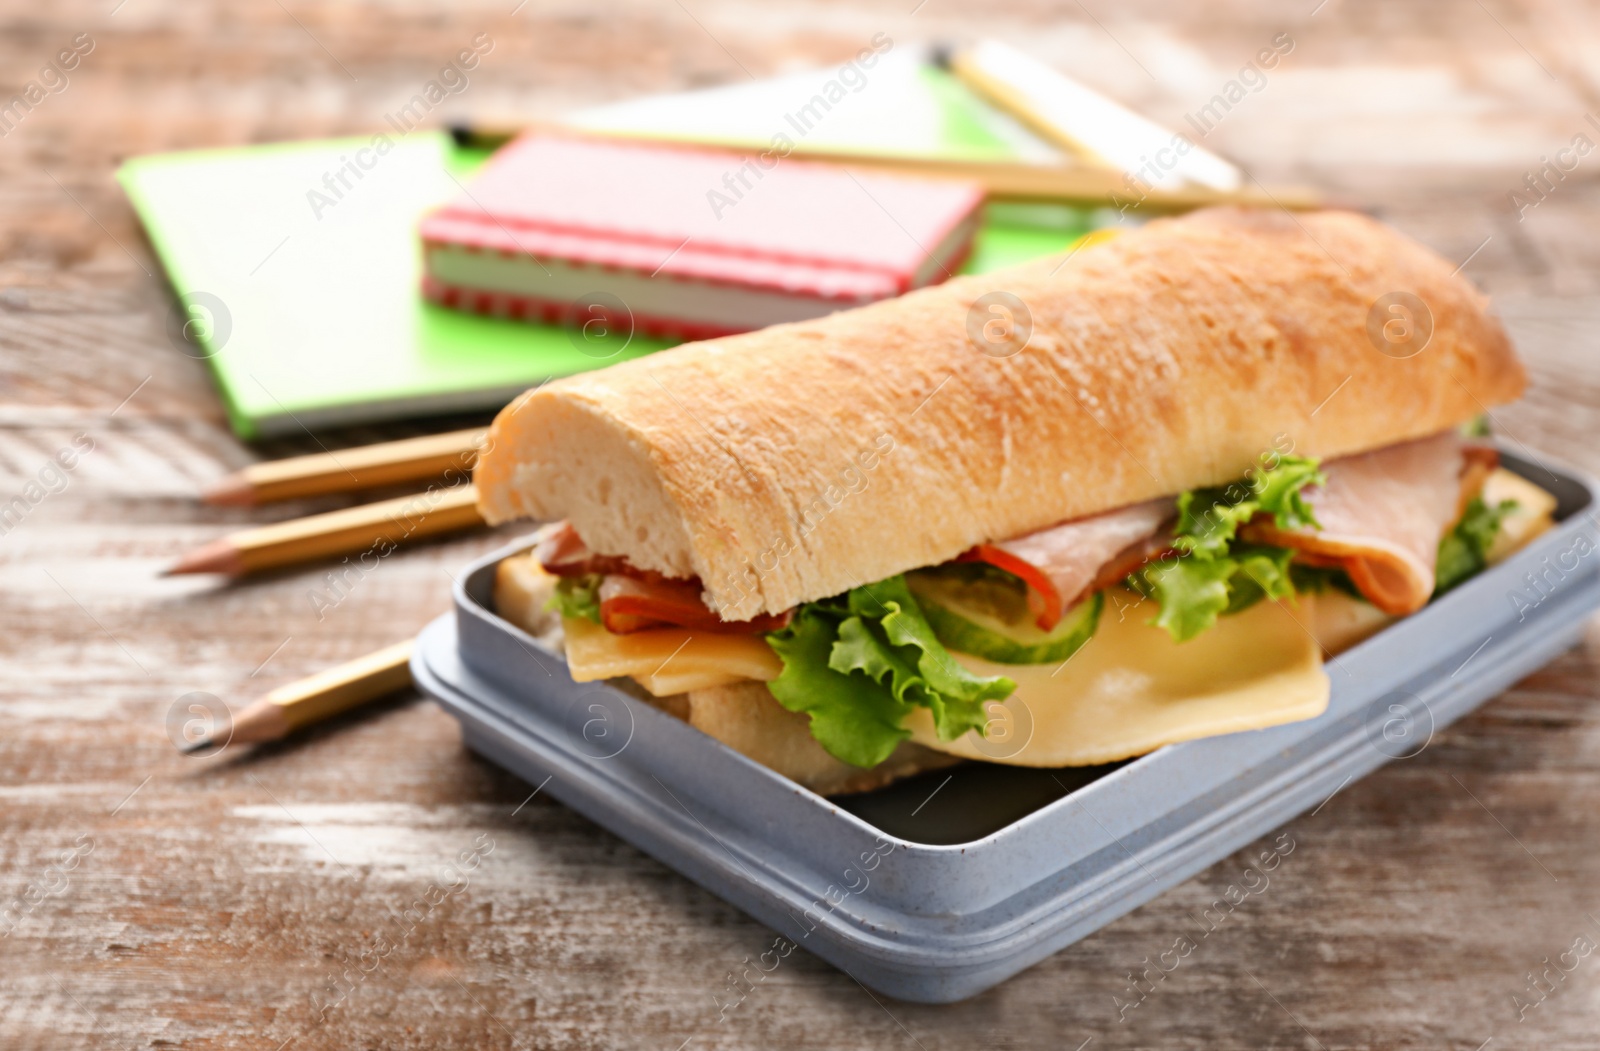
x: 1382, y: 514
x: 1062, y: 562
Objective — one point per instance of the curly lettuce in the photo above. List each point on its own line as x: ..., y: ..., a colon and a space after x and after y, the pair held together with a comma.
x: 1209, y: 519
x: 859, y: 663
x: 1214, y: 572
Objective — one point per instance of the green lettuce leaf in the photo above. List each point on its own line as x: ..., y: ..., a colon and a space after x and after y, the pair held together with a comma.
x: 1281, y: 491
x: 853, y: 717
x: 1317, y: 579
x: 859, y: 666
x: 577, y: 597
x: 1262, y: 572
x: 1209, y: 519
x: 1215, y: 573
x: 1193, y: 592
x: 1464, y: 550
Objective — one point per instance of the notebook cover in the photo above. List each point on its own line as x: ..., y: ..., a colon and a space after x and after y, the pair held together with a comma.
x: 325, y: 326
x: 686, y: 214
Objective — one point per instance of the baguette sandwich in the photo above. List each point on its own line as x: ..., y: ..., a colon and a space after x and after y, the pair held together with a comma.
x: 1203, y: 457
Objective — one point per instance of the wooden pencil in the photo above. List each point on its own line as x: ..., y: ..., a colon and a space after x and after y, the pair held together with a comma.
x: 318, y: 697
x: 1001, y: 180
x: 365, y: 467
x: 1088, y: 127
x: 376, y: 528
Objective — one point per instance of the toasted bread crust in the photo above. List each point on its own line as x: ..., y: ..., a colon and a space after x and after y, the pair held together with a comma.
x: 793, y: 463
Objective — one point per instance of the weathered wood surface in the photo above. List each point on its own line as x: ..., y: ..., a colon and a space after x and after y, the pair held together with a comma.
x: 204, y: 903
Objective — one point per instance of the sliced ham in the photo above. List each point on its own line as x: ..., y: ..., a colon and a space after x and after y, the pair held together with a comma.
x: 1382, y: 514
x: 1062, y: 562
x: 1135, y: 556
x: 562, y: 552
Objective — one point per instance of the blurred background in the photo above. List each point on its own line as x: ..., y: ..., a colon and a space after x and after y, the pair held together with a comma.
x: 217, y: 907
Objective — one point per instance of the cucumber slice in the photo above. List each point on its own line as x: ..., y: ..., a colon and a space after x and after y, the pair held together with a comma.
x: 968, y: 620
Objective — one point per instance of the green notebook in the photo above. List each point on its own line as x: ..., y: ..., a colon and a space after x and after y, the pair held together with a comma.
x: 297, y: 265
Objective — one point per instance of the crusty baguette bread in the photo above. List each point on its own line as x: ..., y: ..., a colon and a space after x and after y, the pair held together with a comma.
x: 793, y: 463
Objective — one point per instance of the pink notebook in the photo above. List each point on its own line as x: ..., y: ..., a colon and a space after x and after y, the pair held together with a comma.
x: 687, y: 242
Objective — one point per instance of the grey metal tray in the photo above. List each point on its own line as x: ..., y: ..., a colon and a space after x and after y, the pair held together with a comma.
x: 936, y: 899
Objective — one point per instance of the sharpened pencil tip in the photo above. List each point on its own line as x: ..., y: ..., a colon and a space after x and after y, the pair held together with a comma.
x: 197, y: 746
x: 233, y: 491
x: 219, y: 556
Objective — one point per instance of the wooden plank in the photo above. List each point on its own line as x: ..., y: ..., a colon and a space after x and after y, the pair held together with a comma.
x: 208, y: 901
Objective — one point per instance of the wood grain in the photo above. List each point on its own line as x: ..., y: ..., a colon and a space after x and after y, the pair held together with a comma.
x: 162, y: 901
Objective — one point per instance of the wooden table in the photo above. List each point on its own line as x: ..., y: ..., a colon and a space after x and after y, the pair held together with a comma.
x: 164, y: 901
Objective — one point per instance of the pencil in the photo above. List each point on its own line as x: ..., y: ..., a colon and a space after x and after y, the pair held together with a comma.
x: 319, y: 697
x: 375, y: 528
x: 1085, y: 125
x: 1001, y: 180
x: 366, y: 467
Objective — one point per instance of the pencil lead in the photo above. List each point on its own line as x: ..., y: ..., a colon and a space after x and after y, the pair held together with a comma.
x: 197, y: 746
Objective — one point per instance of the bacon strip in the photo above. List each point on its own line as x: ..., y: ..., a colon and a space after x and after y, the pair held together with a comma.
x: 1060, y: 563
x: 1382, y: 514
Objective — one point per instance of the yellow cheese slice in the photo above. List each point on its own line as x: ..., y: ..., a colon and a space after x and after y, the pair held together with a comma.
x: 1534, y: 513
x: 1131, y: 689
x: 522, y: 593
x: 667, y: 660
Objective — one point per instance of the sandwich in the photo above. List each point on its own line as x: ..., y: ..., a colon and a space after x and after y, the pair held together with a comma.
x: 1141, y: 501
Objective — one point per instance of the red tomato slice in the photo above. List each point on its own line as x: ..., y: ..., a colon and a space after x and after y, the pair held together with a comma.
x: 1044, y: 601
x: 628, y: 604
